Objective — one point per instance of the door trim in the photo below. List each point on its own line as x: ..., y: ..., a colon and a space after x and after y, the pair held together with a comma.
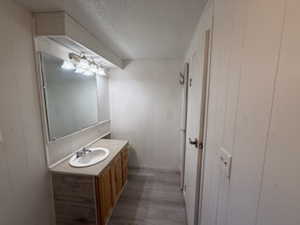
x: 186, y: 81
x: 204, y: 115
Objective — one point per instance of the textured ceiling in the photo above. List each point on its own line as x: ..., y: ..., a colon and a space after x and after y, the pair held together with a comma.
x: 133, y: 28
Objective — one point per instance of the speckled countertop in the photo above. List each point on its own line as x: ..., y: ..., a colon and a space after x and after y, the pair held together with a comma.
x: 114, y: 146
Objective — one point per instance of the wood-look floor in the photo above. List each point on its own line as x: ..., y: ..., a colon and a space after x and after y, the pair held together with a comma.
x: 150, y: 198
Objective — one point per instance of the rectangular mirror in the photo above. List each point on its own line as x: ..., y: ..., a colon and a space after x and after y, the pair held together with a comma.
x: 71, y: 99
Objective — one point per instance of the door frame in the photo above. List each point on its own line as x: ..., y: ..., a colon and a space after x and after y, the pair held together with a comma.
x: 202, y: 136
x: 204, y: 116
x: 183, y: 129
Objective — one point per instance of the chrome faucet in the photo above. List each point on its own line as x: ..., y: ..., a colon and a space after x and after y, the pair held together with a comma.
x: 82, y: 152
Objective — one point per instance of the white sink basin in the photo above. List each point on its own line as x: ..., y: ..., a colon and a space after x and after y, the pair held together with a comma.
x: 91, y: 158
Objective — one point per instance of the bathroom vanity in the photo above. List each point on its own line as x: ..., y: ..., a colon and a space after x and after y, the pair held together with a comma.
x: 87, y: 196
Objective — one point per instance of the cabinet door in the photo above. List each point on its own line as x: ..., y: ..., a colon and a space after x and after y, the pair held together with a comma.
x: 118, y: 177
x: 113, y: 182
x: 125, y: 165
x: 105, y: 189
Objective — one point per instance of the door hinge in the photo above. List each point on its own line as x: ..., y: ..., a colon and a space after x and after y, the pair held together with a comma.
x: 191, y: 80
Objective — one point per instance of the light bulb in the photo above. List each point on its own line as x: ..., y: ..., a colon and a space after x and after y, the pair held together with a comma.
x: 67, y: 66
x: 88, y: 73
x: 79, y: 70
x: 94, y: 68
x: 84, y: 64
x: 101, y: 71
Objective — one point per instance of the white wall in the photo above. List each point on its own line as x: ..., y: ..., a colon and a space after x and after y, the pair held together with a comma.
x: 24, y: 186
x: 253, y: 114
x: 279, y: 195
x: 145, y: 109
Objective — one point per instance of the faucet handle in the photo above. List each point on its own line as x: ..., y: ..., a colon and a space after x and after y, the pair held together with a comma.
x: 86, y: 150
x: 79, y: 154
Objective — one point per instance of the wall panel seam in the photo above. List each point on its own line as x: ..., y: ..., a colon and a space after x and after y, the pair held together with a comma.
x: 271, y: 110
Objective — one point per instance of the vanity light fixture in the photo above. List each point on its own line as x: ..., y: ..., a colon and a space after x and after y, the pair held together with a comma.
x: 81, y: 64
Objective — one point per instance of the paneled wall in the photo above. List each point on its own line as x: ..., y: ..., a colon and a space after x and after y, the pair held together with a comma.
x: 145, y: 109
x: 280, y: 197
x: 254, y: 95
x: 24, y: 186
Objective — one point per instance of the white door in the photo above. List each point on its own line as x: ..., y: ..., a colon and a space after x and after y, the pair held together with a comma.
x: 195, y: 134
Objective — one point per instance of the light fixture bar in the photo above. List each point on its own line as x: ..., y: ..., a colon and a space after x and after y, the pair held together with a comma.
x: 81, y: 64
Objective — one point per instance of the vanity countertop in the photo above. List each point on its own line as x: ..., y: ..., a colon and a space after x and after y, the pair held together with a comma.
x: 115, y: 146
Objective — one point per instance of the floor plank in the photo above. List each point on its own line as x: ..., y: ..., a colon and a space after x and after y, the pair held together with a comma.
x: 150, y: 198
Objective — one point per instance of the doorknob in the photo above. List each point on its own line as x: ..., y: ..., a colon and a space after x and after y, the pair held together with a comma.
x: 194, y: 142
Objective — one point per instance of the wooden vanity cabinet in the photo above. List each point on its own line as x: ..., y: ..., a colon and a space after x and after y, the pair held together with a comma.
x: 89, y: 200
